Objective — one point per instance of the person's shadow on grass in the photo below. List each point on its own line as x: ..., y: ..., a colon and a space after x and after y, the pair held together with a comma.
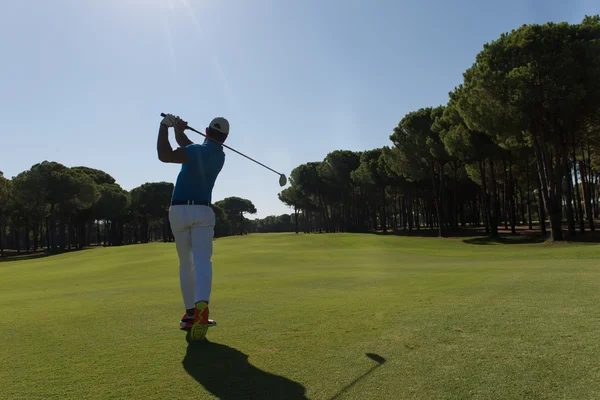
x: 227, y: 374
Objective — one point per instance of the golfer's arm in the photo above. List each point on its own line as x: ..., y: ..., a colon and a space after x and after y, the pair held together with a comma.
x: 182, y: 139
x: 166, y: 153
x: 163, y: 146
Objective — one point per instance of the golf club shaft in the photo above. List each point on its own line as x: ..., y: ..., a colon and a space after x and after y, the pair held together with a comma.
x: 227, y: 147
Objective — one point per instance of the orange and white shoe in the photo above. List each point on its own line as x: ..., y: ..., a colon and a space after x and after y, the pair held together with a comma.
x: 188, y: 320
x: 200, y: 325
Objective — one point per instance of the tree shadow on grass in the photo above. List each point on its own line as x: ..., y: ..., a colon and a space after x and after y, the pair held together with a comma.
x: 477, y: 235
x: 535, y: 238
x: 226, y: 373
x: 427, y: 233
x: 414, y: 233
x: 488, y: 240
x: 14, y: 256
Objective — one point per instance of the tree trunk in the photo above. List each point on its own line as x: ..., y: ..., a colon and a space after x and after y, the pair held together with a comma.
x: 594, y: 192
x: 373, y: 224
x: 438, y: 198
x: 578, y: 194
x: 530, y: 220
x: 417, y: 211
x: 586, y: 189
x: 48, y: 240
x: 40, y: 233
x: 85, y: 235
x: 409, y: 213
x: 522, y: 205
x: 511, y: 197
x: 596, y: 196
x: 68, y: 236
x: 105, y: 233
x: 462, y: 216
x: 113, y: 232
x: 505, y: 185
x: 296, y: 218
x: 395, y: 211
x: 52, y: 229
x: 430, y: 213
x: 402, y: 211
x: 17, y: 241
x: 146, y: 230
x: 34, y: 234
x: 88, y: 235
x: 456, y: 209
x: 26, y: 235
x: 62, y: 240
x: 541, y: 209
x: 351, y: 212
x: 550, y: 188
x: 122, y: 228
x: 494, y: 205
x: 569, y: 198
x: 2, y: 236
x: 384, y: 211
x: 485, y: 197
x: 324, y: 215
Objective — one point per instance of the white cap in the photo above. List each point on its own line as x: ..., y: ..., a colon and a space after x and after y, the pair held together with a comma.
x: 220, y: 124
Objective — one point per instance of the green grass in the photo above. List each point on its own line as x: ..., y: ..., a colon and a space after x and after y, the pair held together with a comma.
x: 297, y: 314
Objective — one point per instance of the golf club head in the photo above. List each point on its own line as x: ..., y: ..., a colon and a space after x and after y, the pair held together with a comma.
x: 282, y: 180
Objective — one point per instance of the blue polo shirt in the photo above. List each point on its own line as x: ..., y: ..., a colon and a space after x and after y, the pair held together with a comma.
x: 198, y: 175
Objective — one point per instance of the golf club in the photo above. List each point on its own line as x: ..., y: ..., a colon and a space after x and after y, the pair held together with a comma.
x: 282, y: 178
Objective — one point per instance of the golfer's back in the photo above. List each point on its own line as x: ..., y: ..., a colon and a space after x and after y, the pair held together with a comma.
x: 197, y: 177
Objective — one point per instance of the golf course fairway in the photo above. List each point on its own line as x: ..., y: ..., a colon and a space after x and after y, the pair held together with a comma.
x: 330, y: 316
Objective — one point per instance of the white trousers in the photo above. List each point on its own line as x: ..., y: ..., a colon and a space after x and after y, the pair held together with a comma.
x: 193, y: 228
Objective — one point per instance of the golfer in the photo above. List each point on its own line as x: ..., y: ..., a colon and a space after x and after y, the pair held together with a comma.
x: 191, y: 217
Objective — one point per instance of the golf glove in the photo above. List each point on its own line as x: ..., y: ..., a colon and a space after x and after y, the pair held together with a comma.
x: 169, y: 120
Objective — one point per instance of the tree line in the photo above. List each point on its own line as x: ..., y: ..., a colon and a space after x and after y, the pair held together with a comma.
x: 58, y: 208
x: 516, y: 144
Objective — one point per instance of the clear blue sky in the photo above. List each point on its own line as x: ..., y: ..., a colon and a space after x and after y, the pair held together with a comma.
x: 84, y: 81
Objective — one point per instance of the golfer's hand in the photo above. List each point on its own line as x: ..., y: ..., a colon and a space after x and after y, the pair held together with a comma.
x: 169, y: 120
x: 180, y: 125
